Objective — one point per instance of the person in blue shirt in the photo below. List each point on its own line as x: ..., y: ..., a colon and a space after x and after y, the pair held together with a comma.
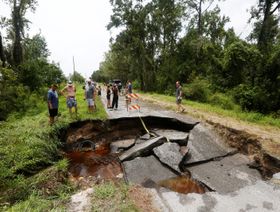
x: 129, y: 87
x: 52, y: 103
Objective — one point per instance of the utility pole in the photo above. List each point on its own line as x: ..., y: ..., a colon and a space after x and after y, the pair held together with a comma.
x: 74, y: 69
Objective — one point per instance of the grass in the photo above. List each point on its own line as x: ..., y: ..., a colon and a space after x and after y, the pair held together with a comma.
x: 33, y: 174
x: 112, y: 197
x: 236, y: 113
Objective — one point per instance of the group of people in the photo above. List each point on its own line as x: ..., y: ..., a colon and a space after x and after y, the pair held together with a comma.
x: 69, y: 91
x: 114, y: 91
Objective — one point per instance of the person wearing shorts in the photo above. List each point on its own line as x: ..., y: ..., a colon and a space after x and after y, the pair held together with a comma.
x: 71, y: 101
x: 89, y: 96
x: 52, y: 103
x: 179, y: 97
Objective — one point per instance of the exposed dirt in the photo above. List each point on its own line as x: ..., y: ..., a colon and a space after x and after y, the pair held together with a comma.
x: 262, y: 143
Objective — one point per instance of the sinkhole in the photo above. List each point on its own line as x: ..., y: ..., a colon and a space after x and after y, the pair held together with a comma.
x: 157, y: 152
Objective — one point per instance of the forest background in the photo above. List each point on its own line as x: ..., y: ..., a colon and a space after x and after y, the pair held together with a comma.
x: 159, y: 42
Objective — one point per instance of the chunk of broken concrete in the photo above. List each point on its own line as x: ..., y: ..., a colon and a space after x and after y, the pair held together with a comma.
x: 205, y: 144
x: 227, y: 175
x: 142, y: 148
x: 176, y: 136
x: 169, y: 154
x: 121, y: 144
x: 142, y: 169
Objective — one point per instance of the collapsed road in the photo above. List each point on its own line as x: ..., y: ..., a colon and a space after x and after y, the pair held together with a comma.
x: 185, y: 164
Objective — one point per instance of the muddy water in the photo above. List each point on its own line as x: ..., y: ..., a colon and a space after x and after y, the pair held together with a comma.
x: 182, y: 184
x: 98, y: 163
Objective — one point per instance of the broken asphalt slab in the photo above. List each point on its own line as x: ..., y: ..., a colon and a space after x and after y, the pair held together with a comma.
x: 227, y: 175
x: 176, y: 136
x: 142, y: 169
x: 169, y: 154
x: 142, y: 148
x: 204, y: 144
x: 116, y: 146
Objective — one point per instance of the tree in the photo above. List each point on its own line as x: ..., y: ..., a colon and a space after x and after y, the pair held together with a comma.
x: 77, y: 77
x: 266, y: 27
x: 196, y: 6
x: 38, y: 73
x: 35, y: 48
x: 18, y: 23
x: 241, y: 63
x: 149, y: 37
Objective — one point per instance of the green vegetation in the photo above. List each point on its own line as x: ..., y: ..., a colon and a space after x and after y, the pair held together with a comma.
x: 112, y: 197
x: 33, y: 173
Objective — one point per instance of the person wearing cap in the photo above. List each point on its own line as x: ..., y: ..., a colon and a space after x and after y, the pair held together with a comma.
x: 52, y: 103
x: 70, y: 92
x: 89, y: 96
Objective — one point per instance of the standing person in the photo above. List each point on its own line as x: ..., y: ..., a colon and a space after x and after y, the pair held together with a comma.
x: 89, y: 96
x: 99, y: 90
x: 115, y: 91
x: 179, y: 96
x: 129, y: 87
x: 52, y: 103
x: 108, y: 96
x: 71, y: 101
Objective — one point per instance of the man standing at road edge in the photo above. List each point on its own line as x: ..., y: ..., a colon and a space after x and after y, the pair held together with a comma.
x: 52, y: 103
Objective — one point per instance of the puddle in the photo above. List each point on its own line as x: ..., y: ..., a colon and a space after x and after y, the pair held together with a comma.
x: 182, y: 184
x: 97, y: 163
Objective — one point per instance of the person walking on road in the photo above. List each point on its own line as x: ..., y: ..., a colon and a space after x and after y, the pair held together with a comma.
x: 115, y: 91
x: 179, y: 97
x: 71, y: 101
x: 52, y: 103
x: 129, y: 87
x: 89, y: 96
x: 108, y: 96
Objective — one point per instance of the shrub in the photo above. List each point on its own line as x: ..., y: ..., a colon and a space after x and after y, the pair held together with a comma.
x: 222, y: 100
x: 198, y: 90
x: 251, y: 98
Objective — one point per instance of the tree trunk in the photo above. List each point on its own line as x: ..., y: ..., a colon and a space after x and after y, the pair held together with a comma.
x: 2, y: 55
x: 262, y: 42
x: 199, y: 23
x: 17, y: 48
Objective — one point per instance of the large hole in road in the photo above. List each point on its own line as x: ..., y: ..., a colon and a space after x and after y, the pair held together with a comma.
x: 154, y: 152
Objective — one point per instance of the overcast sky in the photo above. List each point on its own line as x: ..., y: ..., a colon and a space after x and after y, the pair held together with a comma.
x: 77, y: 28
